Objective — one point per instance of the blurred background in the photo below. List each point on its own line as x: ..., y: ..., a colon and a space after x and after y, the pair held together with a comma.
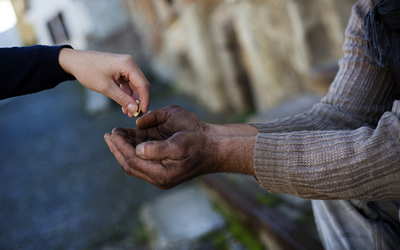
x: 225, y: 60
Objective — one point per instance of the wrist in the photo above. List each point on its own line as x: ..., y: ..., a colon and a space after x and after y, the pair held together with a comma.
x: 230, y: 130
x: 207, y: 129
x: 64, y: 58
x: 234, y: 154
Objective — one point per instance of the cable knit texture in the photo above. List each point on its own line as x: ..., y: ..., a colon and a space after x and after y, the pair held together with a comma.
x: 347, y: 146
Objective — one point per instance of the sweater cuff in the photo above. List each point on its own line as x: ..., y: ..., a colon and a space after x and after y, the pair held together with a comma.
x: 54, y: 71
x: 270, y: 159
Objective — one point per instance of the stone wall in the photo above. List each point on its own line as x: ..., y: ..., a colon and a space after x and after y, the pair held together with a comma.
x: 240, y: 55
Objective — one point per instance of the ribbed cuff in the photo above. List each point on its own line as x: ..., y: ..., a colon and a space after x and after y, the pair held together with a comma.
x: 52, y: 67
x: 269, y: 156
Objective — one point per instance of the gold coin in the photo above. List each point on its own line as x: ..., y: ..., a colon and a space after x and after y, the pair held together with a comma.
x: 138, y: 109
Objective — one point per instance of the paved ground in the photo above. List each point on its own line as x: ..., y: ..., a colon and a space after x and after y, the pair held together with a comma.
x: 60, y: 187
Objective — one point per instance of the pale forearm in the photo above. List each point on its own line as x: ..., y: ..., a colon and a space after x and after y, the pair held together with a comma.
x: 65, y: 58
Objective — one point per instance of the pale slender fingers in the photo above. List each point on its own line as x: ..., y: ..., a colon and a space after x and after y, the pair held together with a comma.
x: 124, y: 110
x: 120, y: 95
x: 127, y: 112
x: 125, y: 87
x: 137, y: 81
x: 144, y: 93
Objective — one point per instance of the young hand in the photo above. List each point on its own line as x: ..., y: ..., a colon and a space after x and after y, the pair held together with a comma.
x: 103, y: 72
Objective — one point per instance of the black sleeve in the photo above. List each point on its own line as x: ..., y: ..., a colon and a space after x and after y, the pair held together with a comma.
x: 26, y: 70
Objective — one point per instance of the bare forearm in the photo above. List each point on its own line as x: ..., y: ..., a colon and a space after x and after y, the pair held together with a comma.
x: 231, y: 130
x: 235, y: 154
x: 65, y: 58
x: 235, y: 145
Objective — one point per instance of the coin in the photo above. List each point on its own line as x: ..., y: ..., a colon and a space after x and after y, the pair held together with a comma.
x: 138, y: 109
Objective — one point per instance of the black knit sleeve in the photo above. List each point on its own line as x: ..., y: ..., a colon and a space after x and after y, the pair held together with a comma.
x: 26, y: 70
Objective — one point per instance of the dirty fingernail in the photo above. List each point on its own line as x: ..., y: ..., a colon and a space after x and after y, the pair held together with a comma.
x: 140, y: 150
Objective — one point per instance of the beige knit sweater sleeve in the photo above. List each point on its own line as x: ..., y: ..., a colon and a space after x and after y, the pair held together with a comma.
x: 348, y: 145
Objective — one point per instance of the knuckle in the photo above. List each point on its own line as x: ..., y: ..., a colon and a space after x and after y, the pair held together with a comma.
x: 129, y: 164
x: 151, y: 112
x: 120, y: 99
x: 126, y: 58
x: 146, y: 85
x: 179, y: 147
x: 158, y: 151
x: 173, y: 106
x: 180, y: 154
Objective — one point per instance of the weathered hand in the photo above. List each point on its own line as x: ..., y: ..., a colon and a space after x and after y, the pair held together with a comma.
x: 144, y: 154
x: 166, y: 163
x: 169, y: 120
x: 101, y: 72
x: 172, y: 145
x: 172, y: 119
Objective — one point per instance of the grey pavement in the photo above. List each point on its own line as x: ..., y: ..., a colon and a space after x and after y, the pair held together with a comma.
x: 60, y: 186
x: 179, y: 219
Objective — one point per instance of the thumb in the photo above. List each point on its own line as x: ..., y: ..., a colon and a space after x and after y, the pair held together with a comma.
x: 154, y: 150
x: 122, y: 98
x: 152, y: 119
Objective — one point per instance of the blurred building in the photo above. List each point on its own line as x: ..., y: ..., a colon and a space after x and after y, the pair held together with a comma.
x: 10, y: 38
x: 240, y: 54
x: 74, y: 21
x: 25, y: 28
x: 232, y: 55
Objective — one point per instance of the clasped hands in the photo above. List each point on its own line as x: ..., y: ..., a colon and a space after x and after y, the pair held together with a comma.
x: 172, y: 145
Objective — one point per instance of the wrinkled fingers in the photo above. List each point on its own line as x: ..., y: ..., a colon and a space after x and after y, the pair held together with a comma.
x: 125, y: 165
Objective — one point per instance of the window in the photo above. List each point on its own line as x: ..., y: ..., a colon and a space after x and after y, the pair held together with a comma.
x: 58, y: 30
